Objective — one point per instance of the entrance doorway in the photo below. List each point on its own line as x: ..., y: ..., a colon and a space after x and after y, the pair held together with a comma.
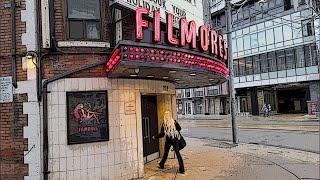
x: 188, y: 110
x: 149, y: 127
x: 293, y: 100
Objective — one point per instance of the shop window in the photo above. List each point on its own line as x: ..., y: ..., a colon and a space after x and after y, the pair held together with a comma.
x: 307, y: 28
x: 290, y: 64
x: 281, y: 60
x: 256, y: 64
x: 288, y: 4
x: 249, y: 70
x: 84, y: 19
x: 300, y: 62
x: 272, y: 61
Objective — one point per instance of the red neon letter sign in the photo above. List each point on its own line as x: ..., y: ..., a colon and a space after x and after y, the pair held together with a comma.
x: 156, y: 24
x: 188, y: 32
x: 221, y: 42
x: 204, y: 37
x: 214, y: 40
x: 172, y: 40
x: 225, y: 50
x: 140, y: 23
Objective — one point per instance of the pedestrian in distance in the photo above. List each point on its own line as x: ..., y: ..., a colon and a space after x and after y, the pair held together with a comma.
x: 265, y: 110
x: 171, y: 130
x: 269, y: 110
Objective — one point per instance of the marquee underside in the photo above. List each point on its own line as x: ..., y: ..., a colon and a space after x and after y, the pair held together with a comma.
x: 184, y: 68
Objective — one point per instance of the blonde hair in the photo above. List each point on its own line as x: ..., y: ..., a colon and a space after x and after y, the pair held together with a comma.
x: 169, y: 126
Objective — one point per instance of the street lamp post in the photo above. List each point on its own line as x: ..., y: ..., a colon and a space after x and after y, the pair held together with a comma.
x: 231, y: 75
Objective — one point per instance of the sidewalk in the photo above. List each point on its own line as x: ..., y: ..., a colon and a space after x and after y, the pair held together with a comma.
x: 205, y: 159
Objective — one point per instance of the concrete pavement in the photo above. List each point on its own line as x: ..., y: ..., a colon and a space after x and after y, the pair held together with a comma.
x: 289, y: 131
x: 290, y: 122
x: 209, y: 159
x: 301, y: 140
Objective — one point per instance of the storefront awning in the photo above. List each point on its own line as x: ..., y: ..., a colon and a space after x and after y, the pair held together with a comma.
x: 185, y: 68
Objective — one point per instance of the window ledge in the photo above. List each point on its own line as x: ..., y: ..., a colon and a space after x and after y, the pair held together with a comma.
x: 83, y: 44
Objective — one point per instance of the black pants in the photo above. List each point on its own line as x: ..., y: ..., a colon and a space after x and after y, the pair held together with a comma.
x: 176, y: 150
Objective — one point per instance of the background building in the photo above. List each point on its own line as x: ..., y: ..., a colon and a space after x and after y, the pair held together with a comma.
x: 275, y: 51
x: 212, y: 100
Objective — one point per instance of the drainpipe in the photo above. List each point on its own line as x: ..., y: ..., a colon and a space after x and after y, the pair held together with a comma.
x: 13, y: 44
x: 39, y: 56
x: 45, y: 110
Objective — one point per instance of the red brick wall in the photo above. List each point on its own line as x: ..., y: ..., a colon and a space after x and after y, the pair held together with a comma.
x: 58, y: 64
x: 12, y: 143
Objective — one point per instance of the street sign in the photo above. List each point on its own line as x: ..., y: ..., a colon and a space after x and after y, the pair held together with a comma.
x: 6, y: 94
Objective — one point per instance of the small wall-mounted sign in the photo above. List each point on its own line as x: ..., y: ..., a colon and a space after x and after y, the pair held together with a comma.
x: 165, y: 88
x: 87, y: 117
x: 130, y: 107
x: 6, y: 94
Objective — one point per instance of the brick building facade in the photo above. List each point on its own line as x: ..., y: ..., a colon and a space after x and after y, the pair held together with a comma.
x: 13, y: 117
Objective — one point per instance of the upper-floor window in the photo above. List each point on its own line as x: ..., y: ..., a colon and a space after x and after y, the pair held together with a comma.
x: 302, y: 2
x: 219, y: 21
x: 187, y: 93
x: 84, y: 19
x: 288, y: 4
x: 307, y: 27
x: 199, y: 93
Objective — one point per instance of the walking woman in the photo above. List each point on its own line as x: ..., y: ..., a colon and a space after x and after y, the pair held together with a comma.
x: 170, y: 129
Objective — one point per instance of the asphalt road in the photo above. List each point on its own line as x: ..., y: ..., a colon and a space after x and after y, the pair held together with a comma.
x: 302, y: 140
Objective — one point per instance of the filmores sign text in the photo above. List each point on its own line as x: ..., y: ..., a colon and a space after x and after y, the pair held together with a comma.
x: 209, y: 40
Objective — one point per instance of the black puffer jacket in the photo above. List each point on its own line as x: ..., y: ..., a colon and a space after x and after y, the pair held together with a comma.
x: 169, y: 139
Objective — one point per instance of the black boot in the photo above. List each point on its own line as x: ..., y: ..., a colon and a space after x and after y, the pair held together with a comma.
x: 181, y: 170
x: 160, y: 166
